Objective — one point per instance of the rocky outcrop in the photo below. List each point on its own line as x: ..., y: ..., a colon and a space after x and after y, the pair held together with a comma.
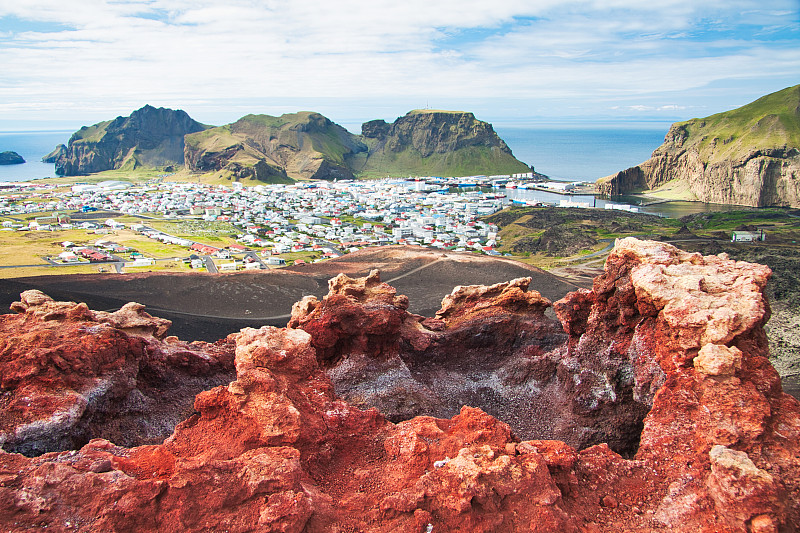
x: 57, y: 152
x: 748, y: 156
x: 68, y: 373
x: 11, y: 158
x: 149, y: 137
x: 667, y: 348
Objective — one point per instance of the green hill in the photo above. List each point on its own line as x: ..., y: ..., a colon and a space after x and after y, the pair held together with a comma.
x: 434, y: 142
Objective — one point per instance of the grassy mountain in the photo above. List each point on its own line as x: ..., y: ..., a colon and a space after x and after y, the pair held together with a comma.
x: 150, y: 137
x: 748, y: 156
x: 434, y: 142
x: 770, y: 123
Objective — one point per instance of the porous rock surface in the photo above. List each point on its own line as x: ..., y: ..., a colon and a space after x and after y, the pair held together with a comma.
x: 667, y: 347
x: 68, y: 373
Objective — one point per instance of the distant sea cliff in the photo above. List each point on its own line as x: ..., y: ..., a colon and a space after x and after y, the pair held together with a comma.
x: 747, y: 156
x: 11, y: 158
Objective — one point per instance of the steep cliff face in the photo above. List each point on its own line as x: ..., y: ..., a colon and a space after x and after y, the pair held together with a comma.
x: 57, y: 152
x: 747, y: 156
x: 150, y: 137
x: 436, y: 143
x: 667, y: 349
x: 298, y: 145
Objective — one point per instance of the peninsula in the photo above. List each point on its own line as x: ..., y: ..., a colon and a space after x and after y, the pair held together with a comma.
x: 747, y: 156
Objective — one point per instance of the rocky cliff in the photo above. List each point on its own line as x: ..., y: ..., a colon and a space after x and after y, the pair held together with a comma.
x: 443, y: 143
x: 656, y: 383
x: 747, y: 156
x: 57, y: 152
x: 298, y: 145
x: 149, y: 137
x: 11, y: 158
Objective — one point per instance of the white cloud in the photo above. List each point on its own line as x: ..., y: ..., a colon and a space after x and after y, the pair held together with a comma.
x: 110, y: 54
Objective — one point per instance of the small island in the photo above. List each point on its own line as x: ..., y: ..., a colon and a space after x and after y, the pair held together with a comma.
x: 11, y: 158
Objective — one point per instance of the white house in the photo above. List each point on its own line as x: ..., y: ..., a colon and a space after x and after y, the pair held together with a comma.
x: 747, y: 236
x: 228, y: 266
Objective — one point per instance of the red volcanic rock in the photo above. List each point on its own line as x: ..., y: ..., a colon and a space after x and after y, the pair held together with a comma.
x: 67, y: 372
x: 478, y: 300
x: 712, y: 442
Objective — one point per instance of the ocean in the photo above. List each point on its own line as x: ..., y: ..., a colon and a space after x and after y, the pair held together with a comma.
x: 583, y: 152
x: 32, y: 146
x: 574, y: 152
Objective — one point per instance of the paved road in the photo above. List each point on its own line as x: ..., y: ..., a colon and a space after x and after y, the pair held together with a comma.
x: 210, y: 266
x: 584, y: 258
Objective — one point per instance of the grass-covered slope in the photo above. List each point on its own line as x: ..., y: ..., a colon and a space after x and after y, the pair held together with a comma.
x: 770, y: 123
x: 301, y: 145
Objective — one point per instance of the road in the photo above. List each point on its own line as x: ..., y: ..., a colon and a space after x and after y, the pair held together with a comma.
x: 210, y: 266
x: 256, y: 259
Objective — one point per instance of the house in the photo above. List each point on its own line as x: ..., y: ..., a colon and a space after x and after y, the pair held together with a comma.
x: 203, y: 248
x: 229, y: 266
x: 277, y: 261
x: 142, y: 261
x: 748, y: 236
x: 68, y: 257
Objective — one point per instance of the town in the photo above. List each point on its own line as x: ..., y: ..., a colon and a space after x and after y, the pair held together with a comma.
x: 265, y: 226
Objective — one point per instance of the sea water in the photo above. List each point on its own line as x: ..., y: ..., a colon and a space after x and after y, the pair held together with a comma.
x: 583, y: 152
x: 32, y: 146
x: 564, y: 152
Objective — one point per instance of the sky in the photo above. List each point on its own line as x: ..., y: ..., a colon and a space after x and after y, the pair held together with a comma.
x: 67, y: 63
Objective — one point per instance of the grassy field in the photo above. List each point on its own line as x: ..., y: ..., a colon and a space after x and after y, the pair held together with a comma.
x: 22, y: 272
x: 29, y: 247
x: 219, y: 234
x: 542, y: 236
x: 138, y: 176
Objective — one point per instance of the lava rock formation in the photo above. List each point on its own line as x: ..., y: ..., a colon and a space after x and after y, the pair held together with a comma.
x: 655, y: 383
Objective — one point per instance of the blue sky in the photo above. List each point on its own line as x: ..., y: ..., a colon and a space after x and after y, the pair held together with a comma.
x: 512, y: 62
